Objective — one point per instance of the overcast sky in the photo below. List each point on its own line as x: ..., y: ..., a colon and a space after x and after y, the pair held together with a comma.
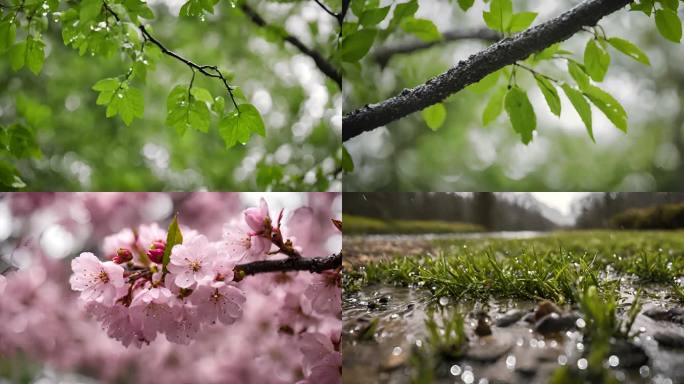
x: 562, y: 201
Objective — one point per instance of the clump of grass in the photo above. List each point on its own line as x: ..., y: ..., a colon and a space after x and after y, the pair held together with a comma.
x: 446, y: 341
x: 559, y: 267
x: 366, y: 225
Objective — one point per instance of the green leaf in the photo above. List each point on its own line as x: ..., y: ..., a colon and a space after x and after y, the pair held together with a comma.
x: 520, y: 21
x: 499, y: 16
x: 465, y: 4
x: 109, y: 84
x: 236, y: 127
x: 356, y: 45
x: 9, y: 178
x: 668, y: 24
x: 609, y: 106
x: 547, y: 53
x: 581, y: 106
x: 132, y: 105
x: 199, y: 117
x: 138, y: 8
x: 550, y: 94
x: 22, y: 143
x: 201, y: 94
x: 494, y: 106
x: 8, y: 33
x: 173, y: 238
x: 596, y: 60
x: 521, y: 113
x: 347, y: 161
x: 35, y: 56
x: 645, y: 6
x: 373, y: 16
x: 127, y: 102
x: 629, y: 49
x: 486, y: 83
x: 671, y: 4
x: 18, y: 55
x: 219, y: 104
x: 90, y: 9
x: 578, y: 74
x: 434, y: 116
x: 423, y: 29
x: 401, y: 11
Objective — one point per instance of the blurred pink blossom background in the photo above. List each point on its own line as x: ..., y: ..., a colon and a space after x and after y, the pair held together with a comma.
x: 47, y: 334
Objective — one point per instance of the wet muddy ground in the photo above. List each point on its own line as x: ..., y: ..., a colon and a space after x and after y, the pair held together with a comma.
x: 508, y: 340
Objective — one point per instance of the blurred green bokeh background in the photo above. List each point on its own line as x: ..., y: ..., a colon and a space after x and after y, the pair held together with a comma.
x: 83, y: 150
x: 465, y: 156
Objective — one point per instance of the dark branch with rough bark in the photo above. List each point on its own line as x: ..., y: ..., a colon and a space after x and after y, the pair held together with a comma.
x: 313, y: 265
x: 498, y: 55
x: 384, y: 54
x: 321, y: 62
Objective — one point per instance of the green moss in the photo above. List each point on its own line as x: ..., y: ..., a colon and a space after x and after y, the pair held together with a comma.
x: 366, y: 225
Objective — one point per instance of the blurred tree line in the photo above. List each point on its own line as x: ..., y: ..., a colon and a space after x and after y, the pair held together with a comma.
x: 630, y: 210
x: 490, y: 210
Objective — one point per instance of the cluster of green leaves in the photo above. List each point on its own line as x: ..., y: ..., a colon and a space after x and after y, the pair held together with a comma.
x: 667, y: 21
x: 361, y: 31
x: 18, y: 140
x: 512, y: 98
x: 501, y: 18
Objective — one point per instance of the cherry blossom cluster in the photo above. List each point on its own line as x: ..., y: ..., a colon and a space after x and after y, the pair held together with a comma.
x: 150, y: 287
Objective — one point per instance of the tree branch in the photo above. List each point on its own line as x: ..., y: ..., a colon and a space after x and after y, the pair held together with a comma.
x: 384, y: 54
x: 477, y: 66
x: 203, y: 69
x: 322, y: 63
x: 313, y: 265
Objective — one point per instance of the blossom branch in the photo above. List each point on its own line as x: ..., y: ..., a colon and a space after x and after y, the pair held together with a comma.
x: 496, y: 56
x: 322, y: 63
x: 313, y: 265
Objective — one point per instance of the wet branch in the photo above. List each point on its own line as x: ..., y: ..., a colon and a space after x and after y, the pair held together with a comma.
x: 321, y: 62
x: 496, y: 56
x: 314, y: 265
x: 384, y: 54
x: 207, y: 70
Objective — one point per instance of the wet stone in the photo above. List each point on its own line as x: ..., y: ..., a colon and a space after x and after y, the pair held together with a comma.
x: 674, y: 315
x: 509, y: 318
x: 529, y: 318
x: 483, y: 328
x: 554, y: 322
x: 631, y: 355
x: 384, y: 299
x: 545, y: 308
x: 488, y: 349
x: 669, y: 339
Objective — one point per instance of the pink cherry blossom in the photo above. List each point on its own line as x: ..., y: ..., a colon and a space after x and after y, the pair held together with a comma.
x: 256, y: 217
x: 220, y: 300
x: 191, y: 261
x: 324, y: 293
x: 151, y: 312
x: 96, y: 280
x: 322, y: 362
x: 242, y: 244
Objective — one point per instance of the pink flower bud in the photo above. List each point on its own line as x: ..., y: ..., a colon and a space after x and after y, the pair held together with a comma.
x: 123, y: 255
x: 156, y: 255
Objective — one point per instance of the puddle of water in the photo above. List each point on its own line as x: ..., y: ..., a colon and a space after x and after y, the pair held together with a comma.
x: 513, y: 354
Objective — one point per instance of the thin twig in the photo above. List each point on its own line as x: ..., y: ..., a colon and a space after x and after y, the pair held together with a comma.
x: 203, y: 69
x: 384, y: 54
x: 322, y: 63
